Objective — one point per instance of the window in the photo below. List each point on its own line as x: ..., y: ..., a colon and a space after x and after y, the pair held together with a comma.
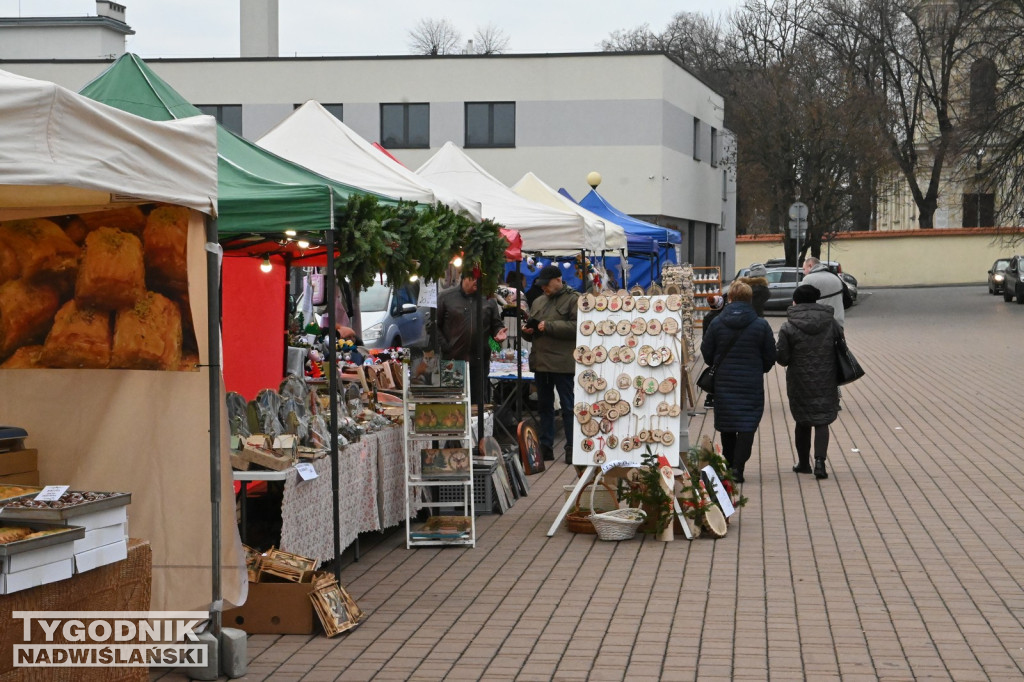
x: 696, y: 139
x: 228, y: 115
x: 490, y: 124
x: 979, y: 210
x: 714, y: 147
x: 725, y: 187
x: 335, y: 109
x: 405, y: 126
x: 983, y: 88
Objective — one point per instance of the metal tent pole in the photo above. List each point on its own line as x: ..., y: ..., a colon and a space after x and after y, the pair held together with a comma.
x: 483, y: 361
x: 213, y: 253
x: 519, y: 343
x: 332, y: 386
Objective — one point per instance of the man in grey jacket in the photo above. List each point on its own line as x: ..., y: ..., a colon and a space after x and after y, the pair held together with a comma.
x: 552, y: 329
x: 821, y: 278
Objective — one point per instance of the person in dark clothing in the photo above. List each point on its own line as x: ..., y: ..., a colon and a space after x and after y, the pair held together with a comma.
x: 757, y: 280
x: 739, y: 381
x: 806, y: 347
x: 716, y: 303
x: 552, y: 328
x: 536, y: 290
x: 459, y: 331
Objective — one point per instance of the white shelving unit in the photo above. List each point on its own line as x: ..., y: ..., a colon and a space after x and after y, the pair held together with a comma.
x: 425, y: 488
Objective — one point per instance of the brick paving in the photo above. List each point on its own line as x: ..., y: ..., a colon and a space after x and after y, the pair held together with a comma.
x: 903, y: 565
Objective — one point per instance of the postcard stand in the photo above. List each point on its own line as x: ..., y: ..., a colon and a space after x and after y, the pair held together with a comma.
x: 438, y: 452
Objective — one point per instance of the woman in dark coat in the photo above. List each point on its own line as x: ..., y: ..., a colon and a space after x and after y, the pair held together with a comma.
x: 807, y: 348
x: 739, y: 381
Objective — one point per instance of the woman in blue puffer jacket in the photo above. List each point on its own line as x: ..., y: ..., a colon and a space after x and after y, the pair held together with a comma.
x: 739, y: 380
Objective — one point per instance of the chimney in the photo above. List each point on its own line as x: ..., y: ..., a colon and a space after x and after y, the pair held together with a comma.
x: 259, y: 28
x: 105, y: 8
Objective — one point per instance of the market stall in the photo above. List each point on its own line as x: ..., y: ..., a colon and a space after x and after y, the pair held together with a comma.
x: 148, y: 432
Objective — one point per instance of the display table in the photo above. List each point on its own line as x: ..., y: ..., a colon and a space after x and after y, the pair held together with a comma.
x: 506, y: 385
x: 121, y: 586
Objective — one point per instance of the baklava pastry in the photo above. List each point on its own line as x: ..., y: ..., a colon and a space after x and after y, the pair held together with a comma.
x: 148, y: 335
x: 80, y: 338
x: 111, y: 274
x: 26, y: 314
x: 43, y: 251
x: 165, y: 241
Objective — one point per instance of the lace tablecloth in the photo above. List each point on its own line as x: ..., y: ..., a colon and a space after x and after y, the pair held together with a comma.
x: 365, y: 490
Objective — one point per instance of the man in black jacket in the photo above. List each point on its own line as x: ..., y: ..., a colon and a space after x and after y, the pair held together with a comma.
x: 460, y: 331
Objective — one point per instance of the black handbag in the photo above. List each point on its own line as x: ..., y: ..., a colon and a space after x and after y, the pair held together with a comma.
x: 847, y: 368
x: 706, y: 379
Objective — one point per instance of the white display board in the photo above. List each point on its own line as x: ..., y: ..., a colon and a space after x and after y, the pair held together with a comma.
x: 628, y: 378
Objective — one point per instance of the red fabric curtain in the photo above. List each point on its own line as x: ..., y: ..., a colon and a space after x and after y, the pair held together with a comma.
x: 253, y: 312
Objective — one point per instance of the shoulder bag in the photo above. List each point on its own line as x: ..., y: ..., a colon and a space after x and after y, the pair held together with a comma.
x: 847, y: 368
x: 706, y: 380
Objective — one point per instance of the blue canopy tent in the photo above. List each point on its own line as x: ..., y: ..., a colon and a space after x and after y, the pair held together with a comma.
x: 649, y: 245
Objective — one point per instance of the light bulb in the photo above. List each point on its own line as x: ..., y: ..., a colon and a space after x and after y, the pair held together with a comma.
x: 290, y: 233
x: 413, y: 278
x: 302, y: 244
x: 266, y: 265
x: 457, y: 261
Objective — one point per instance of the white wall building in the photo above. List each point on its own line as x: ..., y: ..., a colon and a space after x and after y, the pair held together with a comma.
x: 651, y: 128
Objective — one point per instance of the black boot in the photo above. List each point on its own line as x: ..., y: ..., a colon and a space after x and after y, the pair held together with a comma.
x: 803, y: 465
x: 819, y: 468
x: 568, y: 455
x: 546, y: 452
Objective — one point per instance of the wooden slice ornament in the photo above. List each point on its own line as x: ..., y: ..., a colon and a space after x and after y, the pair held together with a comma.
x: 586, y: 303
x: 623, y: 381
x: 667, y: 438
x: 654, y: 327
x: 654, y: 359
x: 587, y: 376
x: 613, y: 353
x: 587, y: 327
x: 578, y: 353
x: 614, y: 303
x: 632, y: 341
x: 658, y: 305
x: 600, y: 458
x: 612, y: 413
x: 674, y: 302
x: 638, y: 326
x: 667, y: 385
x: 613, y: 441
x: 597, y: 409
x: 587, y: 444
x: 627, y: 355
x: 628, y: 303
x: 588, y: 358
x: 638, y: 382
x: 600, y: 302
x: 651, y: 385
x: 667, y: 358
x: 607, y: 425
x: 643, y: 304
x: 712, y: 519
x: 662, y: 409
x: 623, y: 408
x: 606, y: 328
x: 612, y: 396
x: 600, y: 353
x: 639, y: 399
x: 670, y: 326
x: 591, y: 428
x: 623, y: 327
x: 601, y: 383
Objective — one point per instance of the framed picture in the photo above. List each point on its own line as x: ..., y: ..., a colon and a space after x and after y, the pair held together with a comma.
x: 444, y: 462
x: 424, y: 368
x: 439, y: 418
x: 285, y: 565
x: 529, y: 449
x: 453, y: 374
x: 335, y: 608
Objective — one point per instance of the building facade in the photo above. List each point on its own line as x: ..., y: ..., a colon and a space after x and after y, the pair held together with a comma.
x: 651, y: 128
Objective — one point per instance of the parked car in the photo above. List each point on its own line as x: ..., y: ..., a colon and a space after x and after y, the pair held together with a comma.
x: 996, y: 275
x: 391, y: 318
x: 782, y: 282
x: 851, y: 284
x: 1012, y: 284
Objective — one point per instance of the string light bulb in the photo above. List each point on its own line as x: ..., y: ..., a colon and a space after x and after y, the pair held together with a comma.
x: 266, y: 265
x: 457, y: 261
x: 302, y: 244
x: 290, y: 233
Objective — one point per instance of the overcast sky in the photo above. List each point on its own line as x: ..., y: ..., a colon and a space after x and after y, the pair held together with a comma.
x: 209, y: 28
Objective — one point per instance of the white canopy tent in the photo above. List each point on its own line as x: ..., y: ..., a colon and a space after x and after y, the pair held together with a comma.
x: 156, y: 434
x: 314, y: 138
x: 602, y: 235
x: 542, y: 228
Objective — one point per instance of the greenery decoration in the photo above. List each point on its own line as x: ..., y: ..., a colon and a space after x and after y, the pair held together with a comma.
x: 413, y: 239
x: 644, y: 490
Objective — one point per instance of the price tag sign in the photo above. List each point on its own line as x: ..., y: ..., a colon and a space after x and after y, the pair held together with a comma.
x: 51, y: 493
x: 306, y: 471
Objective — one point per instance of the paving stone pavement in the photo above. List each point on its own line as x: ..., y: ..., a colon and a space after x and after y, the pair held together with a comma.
x: 902, y: 565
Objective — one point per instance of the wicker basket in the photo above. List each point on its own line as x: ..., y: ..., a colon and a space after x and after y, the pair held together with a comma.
x: 578, y: 521
x: 619, y: 524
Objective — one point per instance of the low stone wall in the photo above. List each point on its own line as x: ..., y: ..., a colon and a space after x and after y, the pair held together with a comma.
x: 909, y: 258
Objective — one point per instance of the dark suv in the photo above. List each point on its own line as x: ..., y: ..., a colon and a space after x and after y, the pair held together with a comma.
x: 1012, y: 284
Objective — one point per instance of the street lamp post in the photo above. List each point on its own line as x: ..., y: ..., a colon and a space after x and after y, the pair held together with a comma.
x: 977, y: 184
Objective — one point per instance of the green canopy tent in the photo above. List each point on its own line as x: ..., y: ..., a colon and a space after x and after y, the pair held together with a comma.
x: 261, y: 197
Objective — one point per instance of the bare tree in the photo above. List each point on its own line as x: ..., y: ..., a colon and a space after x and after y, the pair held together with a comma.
x: 434, y: 37
x: 910, y: 55
x: 490, y: 40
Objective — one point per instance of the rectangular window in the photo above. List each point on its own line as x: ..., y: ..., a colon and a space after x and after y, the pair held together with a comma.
x: 979, y: 210
x: 714, y: 148
x: 696, y: 139
x: 490, y: 124
x: 405, y: 126
x: 725, y: 186
x: 228, y: 115
x: 335, y: 109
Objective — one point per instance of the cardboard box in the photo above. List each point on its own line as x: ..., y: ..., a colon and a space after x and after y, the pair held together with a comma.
x: 101, y: 556
x: 19, y: 462
x: 97, y: 537
x: 23, y: 478
x: 275, y: 609
x: 99, y: 519
x: 34, y: 577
